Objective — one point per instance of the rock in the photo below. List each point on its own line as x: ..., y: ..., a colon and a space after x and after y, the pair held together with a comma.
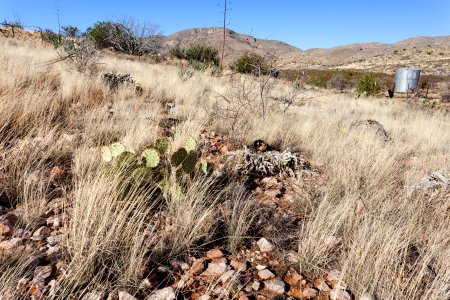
x: 10, y: 244
x: 261, y: 267
x: 296, y: 293
x: 214, y: 253
x: 293, y: 278
x: 226, y: 276
x: 37, y: 288
x: 214, y: 270
x: 256, y: 285
x: 22, y: 285
x: 264, y: 245
x: 204, y: 297
x: 123, y: 295
x: 321, y: 285
x: 167, y: 293
x: 239, y: 266
x: 6, y: 228
x: 56, y: 172
x: 309, y: 293
x: 52, y: 250
x: 54, y: 240
x: 92, y: 296
x: 334, y: 277
x: 197, y: 267
x: 243, y: 297
x: 276, y: 286
x: 43, y: 272
x: 54, y: 221
x: 337, y: 294
x: 265, y: 274
x: 145, y: 285
x: 41, y: 233
x: 223, y: 150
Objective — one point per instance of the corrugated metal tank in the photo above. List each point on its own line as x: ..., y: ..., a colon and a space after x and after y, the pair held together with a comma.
x: 406, y: 79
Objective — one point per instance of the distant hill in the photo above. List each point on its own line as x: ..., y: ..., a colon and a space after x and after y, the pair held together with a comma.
x: 236, y: 43
x: 432, y: 54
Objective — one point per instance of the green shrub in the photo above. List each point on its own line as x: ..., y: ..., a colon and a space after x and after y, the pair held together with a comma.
x: 202, y: 53
x: 99, y: 34
x: 53, y: 38
x: 368, y: 86
x: 177, y: 52
x: 251, y: 63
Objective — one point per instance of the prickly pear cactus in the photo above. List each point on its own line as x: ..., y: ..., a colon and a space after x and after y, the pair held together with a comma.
x: 162, y: 145
x: 106, y: 154
x: 117, y: 149
x: 127, y: 162
x: 151, y: 157
x: 206, y: 167
x: 190, y: 144
x: 178, y: 157
x: 189, y: 162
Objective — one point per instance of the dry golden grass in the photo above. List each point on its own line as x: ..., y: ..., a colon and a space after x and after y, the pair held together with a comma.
x: 364, y: 222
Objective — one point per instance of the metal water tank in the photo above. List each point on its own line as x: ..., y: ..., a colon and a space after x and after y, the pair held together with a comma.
x: 406, y: 79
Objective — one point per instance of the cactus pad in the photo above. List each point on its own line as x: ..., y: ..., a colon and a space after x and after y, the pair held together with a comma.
x: 106, y: 154
x: 178, y: 157
x: 190, y: 144
x: 189, y: 162
x: 162, y: 145
x: 117, y: 149
x: 206, y: 167
x: 151, y: 157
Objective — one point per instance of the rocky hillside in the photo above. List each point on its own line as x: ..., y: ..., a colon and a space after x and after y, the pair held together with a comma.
x: 236, y: 44
x: 432, y: 54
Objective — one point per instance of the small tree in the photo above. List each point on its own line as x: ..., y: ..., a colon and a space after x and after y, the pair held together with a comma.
x: 337, y: 82
x: 70, y: 31
x: 127, y: 36
x: 251, y: 63
x: 368, y: 86
x: 202, y: 53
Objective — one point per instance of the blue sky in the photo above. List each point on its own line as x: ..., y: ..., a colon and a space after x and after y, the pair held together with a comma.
x: 305, y: 24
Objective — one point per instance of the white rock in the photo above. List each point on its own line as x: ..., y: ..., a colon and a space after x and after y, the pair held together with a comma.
x: 215, y: 270
x: 260, y: 267
x: 227, y: 276
x: 265, y: 274
x: 276, y: 286
x: 256, y: 285
x: 167, y: 293
x: 264, y: 245
x: 336, y: 294
x: 10, y: 244
x: 309, y: 293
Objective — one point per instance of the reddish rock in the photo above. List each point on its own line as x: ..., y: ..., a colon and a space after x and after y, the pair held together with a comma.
x: 239, y: 266
x: 309, y: 293
x: 197, y: 267
x: 293, y: 278
x: 56, y: 172
x: 43, y: 272
x: 321, y: 285
x: 214, y: 270
x: 11, y: 244
x: 214, y: 253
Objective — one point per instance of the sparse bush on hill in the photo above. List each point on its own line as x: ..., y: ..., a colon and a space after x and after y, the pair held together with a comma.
x: 177, y: 52
x: 202, y: 53
x: 368, y: 85
x: 128, y: 36
x: 70, y: 31
x: 53, y: 38
x: 251, y: 63
x: 338, y: 82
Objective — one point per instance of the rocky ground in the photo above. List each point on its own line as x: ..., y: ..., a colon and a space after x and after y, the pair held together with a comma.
x: 266, y: 269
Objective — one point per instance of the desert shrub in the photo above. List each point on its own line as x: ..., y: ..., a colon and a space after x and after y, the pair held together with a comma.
x: 80, y: 55
x: 70, y: 31
x: 53, y: 38
x: 127, y: 36
x: 251, y: 63
x: 368, y: 85
x: 445, y: 96
x: 202, y: 53
x: 177, y: 52
x: 337, y: 82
